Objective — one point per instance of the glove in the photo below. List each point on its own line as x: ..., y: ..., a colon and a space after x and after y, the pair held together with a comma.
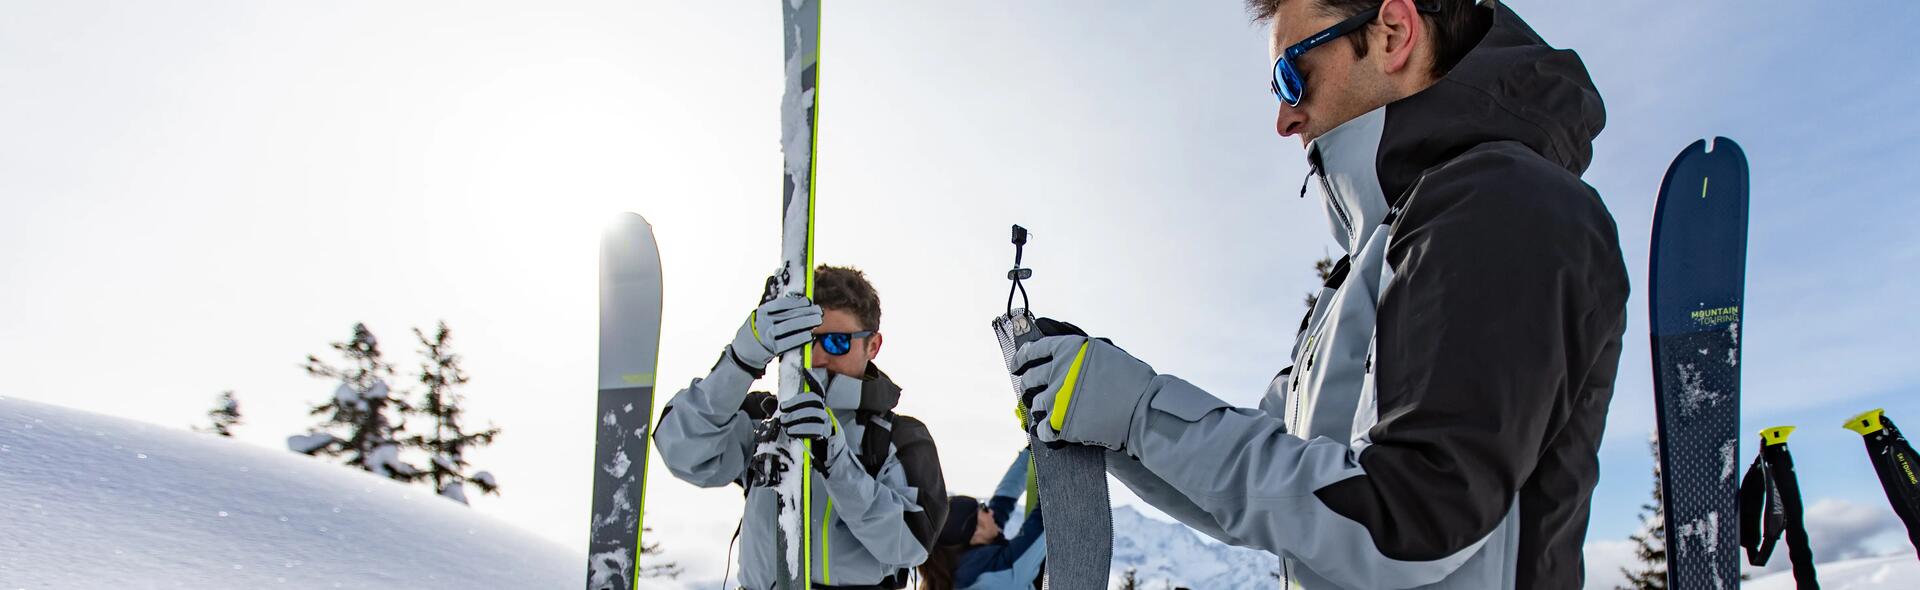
x: 1081, y: 390
x: 777, y: 326
x: 804, y: 416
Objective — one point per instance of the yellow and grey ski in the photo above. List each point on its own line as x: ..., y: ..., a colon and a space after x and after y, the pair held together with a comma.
x: 629, y: 345
x: 799, y: 136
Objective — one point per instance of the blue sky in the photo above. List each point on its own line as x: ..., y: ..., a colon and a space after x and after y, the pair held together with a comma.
x: 194, y: 196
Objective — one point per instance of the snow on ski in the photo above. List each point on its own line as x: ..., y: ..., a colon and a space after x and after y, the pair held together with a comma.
x: 1698, y: 274
x: 629, y: 345
x: 798, y: 138
x: 1071, y: 480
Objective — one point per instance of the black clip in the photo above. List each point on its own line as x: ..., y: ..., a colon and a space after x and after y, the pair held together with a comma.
x: 1018, y: 274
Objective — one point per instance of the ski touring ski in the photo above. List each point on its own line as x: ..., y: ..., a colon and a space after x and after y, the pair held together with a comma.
x: 1894, y: 461
x: 629, y: 346
x: 1071, y: 480
x: 1770, y: 506
x: 1698, y: 276
x: 799, y: 136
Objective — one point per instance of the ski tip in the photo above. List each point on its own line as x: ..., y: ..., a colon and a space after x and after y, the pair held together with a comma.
x: 1776, y: 435
x: 1867, y: 422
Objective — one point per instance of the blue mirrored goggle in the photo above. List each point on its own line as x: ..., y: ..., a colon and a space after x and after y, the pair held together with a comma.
x: 838, y: 343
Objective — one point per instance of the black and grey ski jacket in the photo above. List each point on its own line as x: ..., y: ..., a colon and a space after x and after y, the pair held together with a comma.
x: 1439, y: 425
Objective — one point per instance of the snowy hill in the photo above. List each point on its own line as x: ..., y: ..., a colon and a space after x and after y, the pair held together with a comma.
x: 99, y: 502
x: 1872, y: 573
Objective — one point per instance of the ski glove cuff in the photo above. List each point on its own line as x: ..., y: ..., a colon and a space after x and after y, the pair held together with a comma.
x: 1081, y: 390
x: 777, y: 326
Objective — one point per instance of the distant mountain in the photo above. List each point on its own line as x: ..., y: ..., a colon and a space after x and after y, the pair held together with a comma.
x: 1163, y: 552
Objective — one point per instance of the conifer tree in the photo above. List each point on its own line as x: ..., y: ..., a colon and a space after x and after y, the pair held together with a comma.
x: 363, y: 421
x: 224, y: 416
x: 446, y: 442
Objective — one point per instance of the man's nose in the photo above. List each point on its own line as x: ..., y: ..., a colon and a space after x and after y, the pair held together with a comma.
x: 1289, y: 121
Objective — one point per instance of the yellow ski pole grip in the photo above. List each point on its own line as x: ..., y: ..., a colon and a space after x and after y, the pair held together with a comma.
x: 1867, y: 422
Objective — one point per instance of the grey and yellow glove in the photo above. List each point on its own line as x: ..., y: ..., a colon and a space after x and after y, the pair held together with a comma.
x: 806, y: 416
x: 777, y: 326
x: 1081, y: 390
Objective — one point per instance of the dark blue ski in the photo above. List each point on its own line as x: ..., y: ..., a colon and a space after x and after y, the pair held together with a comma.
x: 1698, y: 275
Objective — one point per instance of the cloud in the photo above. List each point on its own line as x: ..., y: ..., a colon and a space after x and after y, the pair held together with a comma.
x: 1605, y: 560
x: 1838, y: 530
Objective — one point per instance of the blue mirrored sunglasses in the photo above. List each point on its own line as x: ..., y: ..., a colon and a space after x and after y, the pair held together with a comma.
x: 838, y: 343
x: 1288, y: 84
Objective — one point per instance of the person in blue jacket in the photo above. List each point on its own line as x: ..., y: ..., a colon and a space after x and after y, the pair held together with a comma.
x: 972, y: 553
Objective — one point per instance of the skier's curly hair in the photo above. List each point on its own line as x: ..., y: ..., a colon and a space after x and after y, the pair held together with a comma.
x: 846, y: 288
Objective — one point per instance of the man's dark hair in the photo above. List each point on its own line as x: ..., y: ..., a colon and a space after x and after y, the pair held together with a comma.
x: 1456, y: 28
x: 847, y: 289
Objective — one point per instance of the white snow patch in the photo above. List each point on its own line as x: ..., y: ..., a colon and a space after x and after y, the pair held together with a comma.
x: 385, y: 459
x: 485, y: 477
x: 456, y: 491
x: 306, y: 444
x: 1702, y: 533
x: 291, y: 521
x: 345, y: 394
x: 618, y: 466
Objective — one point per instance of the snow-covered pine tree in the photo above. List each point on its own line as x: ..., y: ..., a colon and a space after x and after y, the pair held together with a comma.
x: 1130, y: 580
x: 372, y: 417
x: 446, y: 444
x: 1650, y: 544
x: 223, y: 417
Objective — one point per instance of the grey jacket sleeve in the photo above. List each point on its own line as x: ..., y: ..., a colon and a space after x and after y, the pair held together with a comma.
x: 874, y: 506
x: 1254, y: 485
x: 1164, y: 496
x: 704, y: 437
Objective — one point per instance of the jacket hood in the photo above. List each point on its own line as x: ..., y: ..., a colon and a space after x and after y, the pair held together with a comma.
x: 1511, y: 86
x: 878, y: 394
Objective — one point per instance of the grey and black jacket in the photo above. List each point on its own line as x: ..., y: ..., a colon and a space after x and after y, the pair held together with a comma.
x: 1439, y: 425
x: 877, y: 511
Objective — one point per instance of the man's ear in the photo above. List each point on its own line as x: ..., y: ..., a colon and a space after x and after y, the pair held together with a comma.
x: 873, y: 345
x: 1398, y: 33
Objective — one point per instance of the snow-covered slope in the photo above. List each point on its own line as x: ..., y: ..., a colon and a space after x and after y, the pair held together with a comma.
x: 1894, y: 572
x: 89, y: 501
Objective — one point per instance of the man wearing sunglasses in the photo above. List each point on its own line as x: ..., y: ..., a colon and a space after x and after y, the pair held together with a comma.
x: 1439, y: 423
x: 884, y: 496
